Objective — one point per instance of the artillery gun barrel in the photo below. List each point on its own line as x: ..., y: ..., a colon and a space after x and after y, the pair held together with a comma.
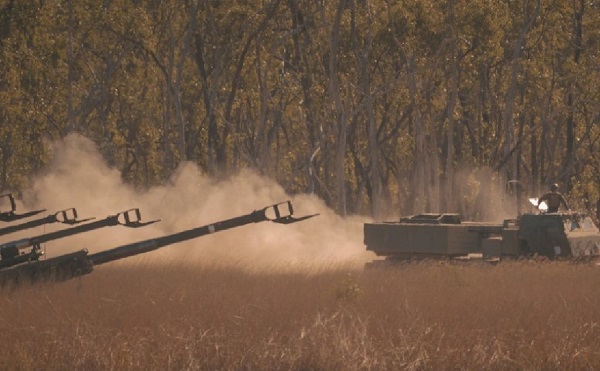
x: 123, y: 218
x: 79, y: 263
x: 11, y: 255
x: 11, y: 215
x: 278, y: 213
x: 109, y: 221
x: 68, y: 216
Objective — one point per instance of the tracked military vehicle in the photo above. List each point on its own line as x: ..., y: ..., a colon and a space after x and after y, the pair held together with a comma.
x: 442, y: 236
x: 30, y: 249
x: 22, y: 261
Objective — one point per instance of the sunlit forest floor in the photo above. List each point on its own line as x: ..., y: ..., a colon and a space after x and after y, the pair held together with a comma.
x: 422, y: 316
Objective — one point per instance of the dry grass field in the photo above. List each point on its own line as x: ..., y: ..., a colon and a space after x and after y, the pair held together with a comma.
x: 424, y: 316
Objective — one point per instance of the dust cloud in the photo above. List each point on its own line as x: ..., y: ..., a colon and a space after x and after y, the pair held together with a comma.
x: 79, y: 177
x: 484, y: 196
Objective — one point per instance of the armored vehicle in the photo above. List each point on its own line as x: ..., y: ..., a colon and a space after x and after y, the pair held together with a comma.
x: 551, y: 235
x: 22, y: 262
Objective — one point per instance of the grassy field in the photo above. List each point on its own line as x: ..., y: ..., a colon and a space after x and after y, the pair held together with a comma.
x: 424, y: 316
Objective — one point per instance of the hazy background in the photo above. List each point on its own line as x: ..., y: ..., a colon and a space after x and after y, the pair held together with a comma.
x: 79, y: 177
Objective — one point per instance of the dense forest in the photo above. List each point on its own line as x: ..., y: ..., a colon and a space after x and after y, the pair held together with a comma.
x: 379, y: 107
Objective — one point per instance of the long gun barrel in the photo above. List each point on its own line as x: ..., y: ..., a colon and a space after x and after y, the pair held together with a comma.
x: 278, y: 213
x: 11, y: 215
x: 10, y: 252
x: 68, y: 216
x: 79, y: 263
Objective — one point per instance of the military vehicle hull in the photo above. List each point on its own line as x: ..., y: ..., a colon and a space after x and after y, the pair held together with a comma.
x: 446, y: 236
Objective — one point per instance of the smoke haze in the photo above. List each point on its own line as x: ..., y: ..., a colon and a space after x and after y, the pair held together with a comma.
x: 79, y: 177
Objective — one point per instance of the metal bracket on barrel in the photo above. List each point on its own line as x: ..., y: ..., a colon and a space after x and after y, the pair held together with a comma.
x: 69, y: 216
x: 132, y: 218
x: 283, y: 213
x: 9, y: 216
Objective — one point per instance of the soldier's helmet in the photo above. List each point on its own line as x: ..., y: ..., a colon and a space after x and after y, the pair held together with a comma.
x: 554, y: 187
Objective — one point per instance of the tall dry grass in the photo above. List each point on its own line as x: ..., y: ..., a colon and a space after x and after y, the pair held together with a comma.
x: 426, y: 316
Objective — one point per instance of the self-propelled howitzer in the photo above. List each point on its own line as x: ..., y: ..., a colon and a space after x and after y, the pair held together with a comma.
x: 79, y: 263
x: 29, y: 249
x: 435, y: 236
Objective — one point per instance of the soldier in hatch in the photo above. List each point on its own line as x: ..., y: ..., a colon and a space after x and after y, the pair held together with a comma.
x: 553, y: 199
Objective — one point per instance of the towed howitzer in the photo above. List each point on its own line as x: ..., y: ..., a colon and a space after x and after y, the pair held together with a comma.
x: 68, y: 216
x: 11, y: 252
x: 11, y: 215
x: 79, y: 263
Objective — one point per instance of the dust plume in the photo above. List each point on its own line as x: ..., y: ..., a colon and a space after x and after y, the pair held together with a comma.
x: 483, y: 195
x: 79, y: 177
x: 477, y: 193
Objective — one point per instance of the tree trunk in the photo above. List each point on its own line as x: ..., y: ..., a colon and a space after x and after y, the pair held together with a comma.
x: 339, y: 112
x: 70, y: 70
x: 418, y: 179
x: 507, y: 117
x: 448, y: 196
x: 208, y: 87
x: 570, y: 145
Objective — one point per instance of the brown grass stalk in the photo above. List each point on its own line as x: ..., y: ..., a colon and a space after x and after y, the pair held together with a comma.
x: 422, y: 316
